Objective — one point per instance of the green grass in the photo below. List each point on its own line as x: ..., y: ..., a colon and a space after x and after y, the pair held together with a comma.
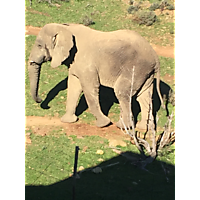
x: 104, y: 13
x: 166, y: 65
x: 49, y: 167
x: 108, y: 15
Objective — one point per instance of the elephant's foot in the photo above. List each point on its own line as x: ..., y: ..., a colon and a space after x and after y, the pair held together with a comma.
x: 124, y: 125
x: 102, y: 122
x: 69, y: 118
x: 142, y: 126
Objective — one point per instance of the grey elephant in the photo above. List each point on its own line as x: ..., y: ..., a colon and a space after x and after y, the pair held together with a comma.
x: 122, y: 60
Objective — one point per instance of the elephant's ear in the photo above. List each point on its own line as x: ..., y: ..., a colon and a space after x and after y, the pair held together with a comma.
x: 62, y: 43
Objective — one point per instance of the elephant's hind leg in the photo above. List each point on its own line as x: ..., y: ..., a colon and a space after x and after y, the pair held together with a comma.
x: 73, y: 94
x: 122, y: 90
x: 144, y: 98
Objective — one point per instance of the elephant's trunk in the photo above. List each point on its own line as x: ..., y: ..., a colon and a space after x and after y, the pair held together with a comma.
x: 34, y: 76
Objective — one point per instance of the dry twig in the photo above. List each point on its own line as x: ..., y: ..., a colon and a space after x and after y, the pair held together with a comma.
x: 152, y: 128
x: 163, y: 140
x: 132, y: 132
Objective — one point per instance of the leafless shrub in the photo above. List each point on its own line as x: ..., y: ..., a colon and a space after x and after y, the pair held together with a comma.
x: 87, y: 21
x: 166, y: 138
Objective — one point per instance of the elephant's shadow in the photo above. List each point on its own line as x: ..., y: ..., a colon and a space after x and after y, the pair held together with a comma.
x: 107, y: 98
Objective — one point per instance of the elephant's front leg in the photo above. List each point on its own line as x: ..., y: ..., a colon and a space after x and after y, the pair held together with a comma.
x: 73, y: 94
x: 91, y: 91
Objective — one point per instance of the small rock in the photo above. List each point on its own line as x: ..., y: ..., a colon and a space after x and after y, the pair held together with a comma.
x: 97, y: 170
x: 81, y: 168
x: 117, y: 151
x: 27, y: 140
x: 114, y: 143
x: 100, y: 152
x: 77, y: 176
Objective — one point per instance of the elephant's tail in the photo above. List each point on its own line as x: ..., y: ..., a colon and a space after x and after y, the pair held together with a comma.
x: 157, y: 68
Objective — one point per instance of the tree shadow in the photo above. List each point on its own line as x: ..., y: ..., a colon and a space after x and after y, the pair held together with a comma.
x: 107, y: 99
x: 120, y: 179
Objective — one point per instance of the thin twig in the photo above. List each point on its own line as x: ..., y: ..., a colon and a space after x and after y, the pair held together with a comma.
x: 130, y: 111
x: 166, y: 135
x: 153, y: 132
x: 145, y: 144
x: 132, y: 132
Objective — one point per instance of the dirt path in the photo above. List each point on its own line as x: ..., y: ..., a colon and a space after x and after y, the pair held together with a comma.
x: 44, y: 126
x: 160, y: 50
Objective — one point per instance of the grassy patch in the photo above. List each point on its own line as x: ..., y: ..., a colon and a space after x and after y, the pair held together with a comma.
x: 49, y: 167
x: 166, y: 66
x: 107, y: 15
x: 103, y: 13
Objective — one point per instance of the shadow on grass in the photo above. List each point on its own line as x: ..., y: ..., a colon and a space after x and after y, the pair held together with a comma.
x: 122, y: 181
x: 107, y: 98
x: 53, y: 93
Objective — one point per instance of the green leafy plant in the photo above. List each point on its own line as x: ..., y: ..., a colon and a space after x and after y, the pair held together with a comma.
x: 163, y: 5
x: 154, y: 6
x: 131, y: 9
x: 146, y: 17
x: 87, y: 21
x: 170, y: 7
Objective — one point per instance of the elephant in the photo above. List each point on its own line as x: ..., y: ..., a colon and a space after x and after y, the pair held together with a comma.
x: 122, y: 60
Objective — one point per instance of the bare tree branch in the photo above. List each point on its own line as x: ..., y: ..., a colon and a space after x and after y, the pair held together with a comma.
x: 152, y: 128
x: 166, y: 135
x: 163, y: 139
x: 132, y: 132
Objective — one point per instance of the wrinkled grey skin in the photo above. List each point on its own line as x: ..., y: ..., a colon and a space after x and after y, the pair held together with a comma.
x: 94, y: 58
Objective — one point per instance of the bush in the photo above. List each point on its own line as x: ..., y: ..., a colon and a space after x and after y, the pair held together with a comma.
x: 167, y: 5
x: 132, y: 9
x: 154, y: 6
x: 170, y: 7
x: 163, y: 5
x: 147, y: 18
x: 131, y: 2
x: 87, y: 21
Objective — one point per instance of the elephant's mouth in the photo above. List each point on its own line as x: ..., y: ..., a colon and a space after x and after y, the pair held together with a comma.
x: 31, y: 62
x: 45, y: 59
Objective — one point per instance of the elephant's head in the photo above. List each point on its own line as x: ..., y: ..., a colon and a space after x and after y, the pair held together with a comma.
x: 53, y: 43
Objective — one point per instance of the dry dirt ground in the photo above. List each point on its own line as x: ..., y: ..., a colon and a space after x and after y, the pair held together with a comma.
x: 44, y: 125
